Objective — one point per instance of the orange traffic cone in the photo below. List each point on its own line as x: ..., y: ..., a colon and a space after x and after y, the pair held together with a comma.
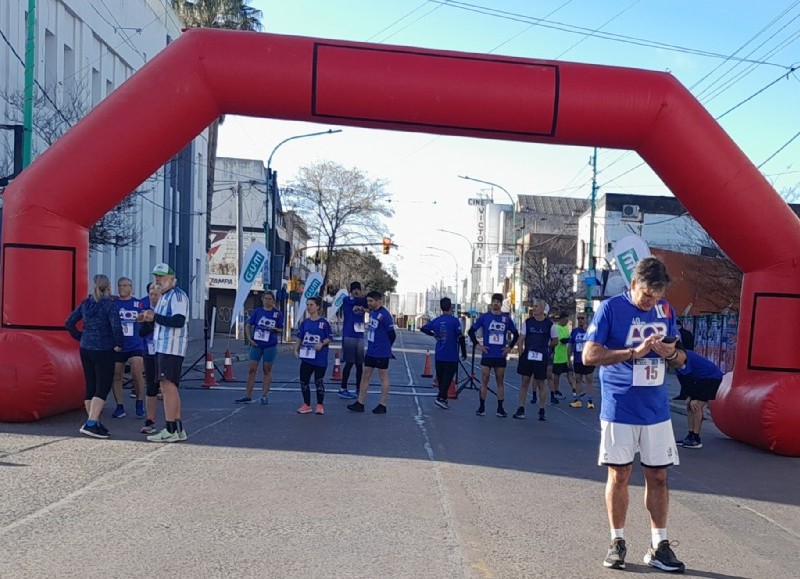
x: 451, y: 393
x: 426, y: 373
x: 337, y: 368
x: 210, y: 380
x: 227, y: 375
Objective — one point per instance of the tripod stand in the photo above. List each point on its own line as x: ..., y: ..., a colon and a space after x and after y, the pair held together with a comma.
x: 469, y: 382
x: 202, y: 357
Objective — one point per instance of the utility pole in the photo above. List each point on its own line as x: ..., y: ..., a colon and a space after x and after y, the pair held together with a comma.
x: 30, y: 61
x: 590, y: 263
x: 239, y: 245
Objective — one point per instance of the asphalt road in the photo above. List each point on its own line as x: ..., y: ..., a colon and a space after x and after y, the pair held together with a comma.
x: 260, y: 491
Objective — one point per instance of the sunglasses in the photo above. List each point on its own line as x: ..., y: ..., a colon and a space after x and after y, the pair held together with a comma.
x: 581, y: 318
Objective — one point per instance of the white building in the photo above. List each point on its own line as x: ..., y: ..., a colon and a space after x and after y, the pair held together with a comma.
x: 84, y: 51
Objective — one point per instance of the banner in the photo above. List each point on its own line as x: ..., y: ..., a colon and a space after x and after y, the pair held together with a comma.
x: 252, y: 264
x: 338, y: 300
x: 627, y: 252
x: 312, y: 289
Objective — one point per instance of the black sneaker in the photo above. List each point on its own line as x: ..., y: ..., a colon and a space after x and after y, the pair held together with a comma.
x: 664, y: 558
x: 442, y: 404
x: 481, y: 411
x: 615, y: 559
x: 501, y: 413
x: 95, y: 431
x: 553, y: 400
x: 520, y: 413
x: 559, y: 394
x: 541, y: 415
x: 103, y: 429
x: 379, y: 409
x: 356, y: 406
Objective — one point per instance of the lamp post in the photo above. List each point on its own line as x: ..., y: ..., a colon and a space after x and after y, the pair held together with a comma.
x: 472, y: 264
x: 513, y: 236
x: 272, y: 196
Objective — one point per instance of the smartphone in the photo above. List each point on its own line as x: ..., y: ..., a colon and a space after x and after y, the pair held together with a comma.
x: 669, y: 339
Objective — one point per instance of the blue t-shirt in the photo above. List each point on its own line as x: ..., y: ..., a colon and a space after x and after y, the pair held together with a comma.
x: 495, y: 330
x: 576, y: 339
x: 353, y: 317
x: 310, y: 333
x: 633, y: 392
x: 538, y: 334
x: 380, y: 324
x: 128, y: 310
x: 699, y: 368
x: 446, y: 329
x: 266, y: 326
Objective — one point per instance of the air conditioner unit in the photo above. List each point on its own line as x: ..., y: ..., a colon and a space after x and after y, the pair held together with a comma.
x: 631, y: 213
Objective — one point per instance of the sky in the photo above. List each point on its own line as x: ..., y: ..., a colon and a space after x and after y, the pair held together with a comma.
x: 700, y: 42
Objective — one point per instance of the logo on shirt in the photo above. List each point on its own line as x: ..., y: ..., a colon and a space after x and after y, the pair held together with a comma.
x: 640, y: 331
x: 497, y: 326
x: 311, y: 339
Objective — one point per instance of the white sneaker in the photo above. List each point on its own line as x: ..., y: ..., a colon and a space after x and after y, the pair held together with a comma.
x: 165, y: 436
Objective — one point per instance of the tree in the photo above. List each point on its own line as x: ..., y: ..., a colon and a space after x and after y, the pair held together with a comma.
x: 548, y: 266
x: 117, y: 228
x: 351, y: 264
x: 339, y: 205
x: 230, y: 15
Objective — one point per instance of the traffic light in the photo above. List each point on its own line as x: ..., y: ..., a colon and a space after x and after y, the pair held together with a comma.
x: 387, y: 243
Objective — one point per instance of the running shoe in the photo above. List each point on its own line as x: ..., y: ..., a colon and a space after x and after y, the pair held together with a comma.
x: 305, y: 409
x: 541, y: 415
x: 576, y: 403
x: 664, y: 558
x: 481, y: 411
x: 590, y: 404
x: 559, y: 394
x: 140, y: 408
x: 243, y: 400
x: 553, y: 400
x: 346, y: 394
x: 692, y: 441
x: 95, y: 431
x: 264, y: 400
x: 119, y: 412
x: 442, y: 404
x: 520, y: 413
x: 133, y: 394
x: 615, y: 559
x: 320, y: 409
x: 148, y: 429
x: 165, y: 436
x: 356, y: 407
x: 501, y: 413
x: 379, y: 409
x: 182, y: 435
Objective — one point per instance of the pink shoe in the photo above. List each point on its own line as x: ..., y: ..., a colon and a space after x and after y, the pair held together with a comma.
x: 320, y: 409
x: 304, y: 409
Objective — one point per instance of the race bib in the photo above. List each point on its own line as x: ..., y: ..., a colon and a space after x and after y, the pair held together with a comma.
x: 496, y: 338
x: 358, y: 327
x: 127, y: 330
x: 371, y: 336
x: 535, y: 356
x: 307, y: 352
x: 151, y: 348
x: 261, y: 335
x: 579, y: 347
x: 648, y: 372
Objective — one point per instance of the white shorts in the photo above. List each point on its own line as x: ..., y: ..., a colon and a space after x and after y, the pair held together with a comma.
x: 655, y: 444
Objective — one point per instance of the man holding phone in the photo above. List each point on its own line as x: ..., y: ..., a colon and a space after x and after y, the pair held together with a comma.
x: 627, y: 340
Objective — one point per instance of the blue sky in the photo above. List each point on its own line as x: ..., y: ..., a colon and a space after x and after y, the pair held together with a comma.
x: 651, y: 34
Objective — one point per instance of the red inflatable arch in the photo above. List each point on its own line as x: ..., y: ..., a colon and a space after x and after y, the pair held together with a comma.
x: 206, y: 73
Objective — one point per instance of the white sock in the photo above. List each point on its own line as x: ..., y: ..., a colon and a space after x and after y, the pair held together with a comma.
x: 617, y: 534
x: 658, y: 536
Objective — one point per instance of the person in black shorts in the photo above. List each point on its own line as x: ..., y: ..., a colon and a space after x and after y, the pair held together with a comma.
x: 538, y: 336
x: 703, y: 378
x: 584, y: 375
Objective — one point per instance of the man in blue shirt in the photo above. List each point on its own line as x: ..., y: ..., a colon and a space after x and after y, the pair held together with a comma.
x: 449, y: 338
x: 701, y: 380
x: 353, y: 308
x: 495, y: 327
x: 632, y: 338
x: 380, y: 337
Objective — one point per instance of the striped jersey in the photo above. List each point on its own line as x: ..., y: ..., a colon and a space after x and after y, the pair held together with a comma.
x: 169, y: 340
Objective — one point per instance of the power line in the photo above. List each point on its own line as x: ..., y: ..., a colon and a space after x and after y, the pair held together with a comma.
x: 781, y: 148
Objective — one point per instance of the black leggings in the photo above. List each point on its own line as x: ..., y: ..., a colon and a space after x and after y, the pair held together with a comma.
x: 346, y: 374
x: 151, y: 380
x: 306, y: 370
x: 98, y: 372
x: 445, y: 372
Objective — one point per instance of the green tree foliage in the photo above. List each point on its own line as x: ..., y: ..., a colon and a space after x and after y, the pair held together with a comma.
x: 350, y: 264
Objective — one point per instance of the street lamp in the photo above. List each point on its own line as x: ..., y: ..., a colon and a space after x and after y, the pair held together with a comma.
x: 472, y: 264
x: 272, y: 196
x: 455, y: 287
x: 513, y: 235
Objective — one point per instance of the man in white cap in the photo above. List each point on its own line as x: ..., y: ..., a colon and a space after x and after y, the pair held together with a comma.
x: 171, y: 338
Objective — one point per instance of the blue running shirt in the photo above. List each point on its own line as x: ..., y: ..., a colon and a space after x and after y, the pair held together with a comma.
x: 380, y: 323
x: 577, y: 338
x: 266, y: 326
x: 310, y: 333
x: 446, y: 329
x: 128, y: 310
x: 633, y: 392
x: 699, y: 368
x: 495, y: 330
x: 353, y: 317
